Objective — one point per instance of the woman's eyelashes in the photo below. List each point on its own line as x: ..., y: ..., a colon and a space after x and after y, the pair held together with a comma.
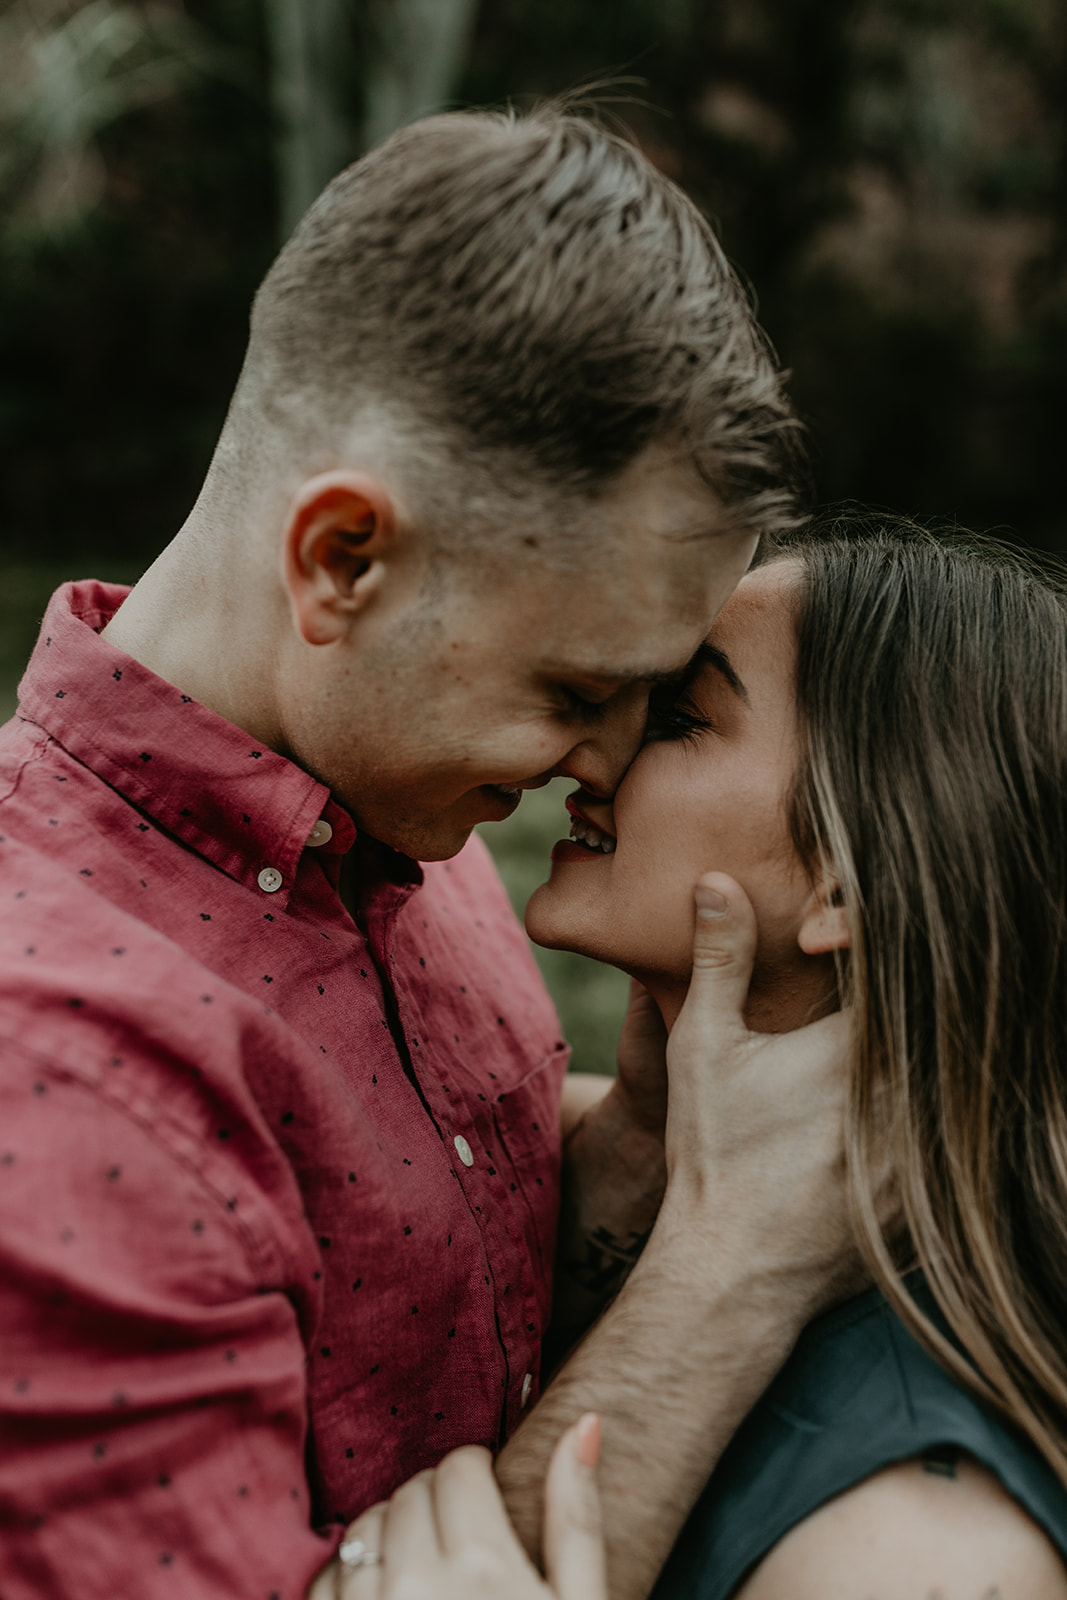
x: 674, y: 716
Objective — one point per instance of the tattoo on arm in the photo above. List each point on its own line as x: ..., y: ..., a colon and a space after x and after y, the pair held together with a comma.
x: 607, y: 1260
x: 941, y: 1460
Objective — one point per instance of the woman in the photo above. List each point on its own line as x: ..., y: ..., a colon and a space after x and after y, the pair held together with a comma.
x: 875, y: 748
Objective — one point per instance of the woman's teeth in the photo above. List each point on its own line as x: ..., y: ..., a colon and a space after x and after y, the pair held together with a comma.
x: 592, y: 837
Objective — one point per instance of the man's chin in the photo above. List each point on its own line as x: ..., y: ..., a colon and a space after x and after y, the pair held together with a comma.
x: 441, y: 847
x: 422, y: 843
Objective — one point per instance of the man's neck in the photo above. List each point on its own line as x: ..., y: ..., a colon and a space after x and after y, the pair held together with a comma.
x: 188, y: 624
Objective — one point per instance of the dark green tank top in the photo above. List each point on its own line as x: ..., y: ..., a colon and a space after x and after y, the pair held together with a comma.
x: 857, y: 1394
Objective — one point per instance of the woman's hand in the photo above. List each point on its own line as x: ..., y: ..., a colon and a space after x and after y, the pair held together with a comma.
x: 445, y: 1535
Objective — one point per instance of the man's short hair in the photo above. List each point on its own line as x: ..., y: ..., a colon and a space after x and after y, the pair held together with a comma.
x: 540, y: 304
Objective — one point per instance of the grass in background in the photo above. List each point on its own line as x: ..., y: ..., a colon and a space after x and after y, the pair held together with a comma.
x: 590, y: 998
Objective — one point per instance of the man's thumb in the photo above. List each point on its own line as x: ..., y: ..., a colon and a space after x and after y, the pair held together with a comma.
x: 724, y: 946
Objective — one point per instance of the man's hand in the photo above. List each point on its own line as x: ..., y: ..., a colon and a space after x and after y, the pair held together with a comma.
x: 754, y: 1140
x: 752, y: 1239
x: 445, y: 1535
x: 641, y: 1085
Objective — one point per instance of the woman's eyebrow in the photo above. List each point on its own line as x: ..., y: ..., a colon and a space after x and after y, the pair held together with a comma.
x: 710, y: 655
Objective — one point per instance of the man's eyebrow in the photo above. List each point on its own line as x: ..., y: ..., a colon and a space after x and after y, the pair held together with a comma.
x: 710, y: 655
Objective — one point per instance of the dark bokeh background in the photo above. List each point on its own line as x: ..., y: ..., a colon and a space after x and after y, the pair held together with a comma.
x: 890, y: 175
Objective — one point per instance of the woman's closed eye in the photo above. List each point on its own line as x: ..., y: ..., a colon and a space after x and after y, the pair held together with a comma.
x: 673, y: 716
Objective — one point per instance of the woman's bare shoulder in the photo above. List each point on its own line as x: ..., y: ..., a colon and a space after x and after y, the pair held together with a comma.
x: 937, y: 1528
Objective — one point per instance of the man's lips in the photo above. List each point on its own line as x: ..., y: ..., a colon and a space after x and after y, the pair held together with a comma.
x: 502, y: 798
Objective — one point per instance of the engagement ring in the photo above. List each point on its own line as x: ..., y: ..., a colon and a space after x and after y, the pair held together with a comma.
x: 354, y: 1553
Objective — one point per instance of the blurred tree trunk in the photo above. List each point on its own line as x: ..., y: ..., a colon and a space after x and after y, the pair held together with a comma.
x: 309, y: 43
x: 412, y: 54
x: 417, y: 53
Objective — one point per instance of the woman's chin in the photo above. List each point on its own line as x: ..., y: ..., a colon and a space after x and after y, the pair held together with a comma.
x: 552, y: 922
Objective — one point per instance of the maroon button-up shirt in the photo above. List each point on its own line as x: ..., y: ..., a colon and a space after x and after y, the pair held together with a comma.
x: 277, y: 1195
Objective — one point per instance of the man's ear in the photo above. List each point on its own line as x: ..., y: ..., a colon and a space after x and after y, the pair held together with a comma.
x: 824, y: 926
x: 340, y: 534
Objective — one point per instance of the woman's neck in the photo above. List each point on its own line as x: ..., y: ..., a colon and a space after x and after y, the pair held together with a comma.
x: 778, y: 1005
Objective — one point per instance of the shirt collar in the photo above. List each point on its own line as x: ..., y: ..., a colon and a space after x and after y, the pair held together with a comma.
x: 237, y: 803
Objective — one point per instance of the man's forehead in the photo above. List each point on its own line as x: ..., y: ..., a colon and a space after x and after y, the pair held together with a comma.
x: 637, y: 644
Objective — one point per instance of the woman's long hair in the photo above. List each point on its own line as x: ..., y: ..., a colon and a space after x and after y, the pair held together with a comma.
x: 932, y: 696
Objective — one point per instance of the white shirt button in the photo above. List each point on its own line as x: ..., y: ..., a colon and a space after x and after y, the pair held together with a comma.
x: 527, y: 1385
x: 463, y: 1150
x: 320, y: 834
x: 270, y: 880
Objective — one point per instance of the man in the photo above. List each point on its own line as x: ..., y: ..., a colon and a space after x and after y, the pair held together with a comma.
x: 281, y: 1107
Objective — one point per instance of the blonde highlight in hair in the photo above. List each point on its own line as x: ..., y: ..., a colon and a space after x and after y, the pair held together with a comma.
x: 932, y: 694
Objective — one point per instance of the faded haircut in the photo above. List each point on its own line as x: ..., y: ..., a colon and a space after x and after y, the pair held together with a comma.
x: 532, y: 303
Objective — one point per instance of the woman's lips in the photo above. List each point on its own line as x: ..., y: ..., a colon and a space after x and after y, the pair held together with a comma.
x: 589, y: 838
x: 574, y: 850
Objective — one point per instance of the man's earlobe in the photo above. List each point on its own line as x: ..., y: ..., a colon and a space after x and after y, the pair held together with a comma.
x: 824, y: 926
x: 339, y: 535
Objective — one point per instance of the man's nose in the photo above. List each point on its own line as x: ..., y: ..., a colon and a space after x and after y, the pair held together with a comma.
x: 600, y: 760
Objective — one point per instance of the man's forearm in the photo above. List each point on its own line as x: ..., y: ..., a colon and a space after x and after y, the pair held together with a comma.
x: 672, y: 1367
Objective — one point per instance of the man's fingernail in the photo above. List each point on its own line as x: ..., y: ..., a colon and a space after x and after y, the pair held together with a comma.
x: 587, y: 1440
x: 710, y: 903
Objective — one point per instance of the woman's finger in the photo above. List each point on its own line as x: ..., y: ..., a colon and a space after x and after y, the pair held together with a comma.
x: 357, y: 1572
x: 573, y: 1539
x: 411, y: 1538
x: 469, y: 1505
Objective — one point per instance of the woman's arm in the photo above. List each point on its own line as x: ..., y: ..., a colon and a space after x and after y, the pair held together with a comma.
x: 937, y: 1528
